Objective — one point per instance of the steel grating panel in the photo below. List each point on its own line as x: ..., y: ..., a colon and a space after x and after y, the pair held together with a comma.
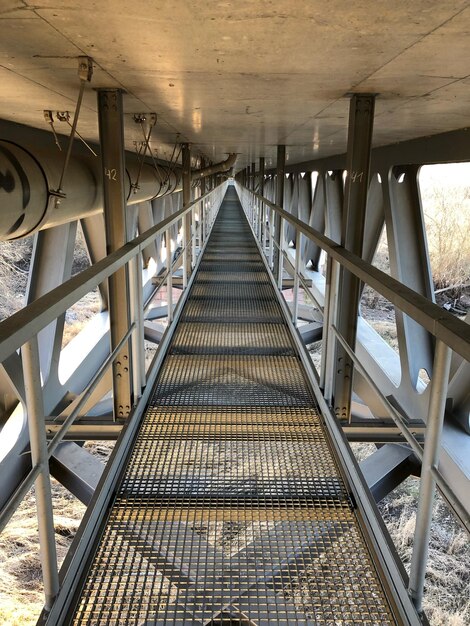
x: 232, y: 508
x: 229, y: 277
x: 234, y: 310
x: 214, y: 255
x: 238, y: 291
x: 235, y: 339
x: 237, y: 267
x: 221, y: 380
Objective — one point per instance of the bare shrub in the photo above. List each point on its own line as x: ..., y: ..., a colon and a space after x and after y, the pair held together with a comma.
x: 15, y: 258
x: 446, y: 206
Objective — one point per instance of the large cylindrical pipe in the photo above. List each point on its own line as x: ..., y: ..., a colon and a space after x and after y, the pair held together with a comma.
x: 25, y: 183
x: 29, y: 175
x: 223, y: 166
x: 147, y: 183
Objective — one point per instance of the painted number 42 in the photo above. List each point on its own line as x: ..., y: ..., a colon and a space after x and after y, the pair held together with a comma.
x: 111, y: 174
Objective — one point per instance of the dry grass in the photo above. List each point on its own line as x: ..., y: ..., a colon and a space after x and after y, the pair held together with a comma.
x: 21, y: 592
x: 79, y: 314
x: 14, y: 266
x: 447, y: 590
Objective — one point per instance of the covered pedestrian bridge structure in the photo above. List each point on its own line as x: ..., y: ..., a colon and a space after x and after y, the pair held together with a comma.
x: 232, y: 167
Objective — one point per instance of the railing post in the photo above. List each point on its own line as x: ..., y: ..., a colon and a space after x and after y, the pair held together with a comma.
x: 111, y: 130
x: 280, y: 178
x: 186, y: 231
x: 427, y: 487
x: 193, y: 236
x: 260, y: 221
x: 137, y: 317
x: 39, y: 456
x: 169, y: 277
x: 201, y: 210
x: 252, y: 199
x: 295, y: 306
x: 329, y: 341
x: 361, y: 120
x: 271, y: 238
x: 263, y: 206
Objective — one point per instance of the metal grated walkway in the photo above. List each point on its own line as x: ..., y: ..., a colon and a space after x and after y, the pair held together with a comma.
x: 232, y: 508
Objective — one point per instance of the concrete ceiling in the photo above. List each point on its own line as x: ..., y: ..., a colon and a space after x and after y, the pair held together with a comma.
x: 242, y: 76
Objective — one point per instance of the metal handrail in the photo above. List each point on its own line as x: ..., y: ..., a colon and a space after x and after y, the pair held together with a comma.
x: 439, y: 322
x: 441, y: 481
x: 25, y: 485
x: 451, y: 334
x: 122, y: 258
x: 21, y: 326
x: 302, y: 280
x: 20, y: 331
x: 163, y: 278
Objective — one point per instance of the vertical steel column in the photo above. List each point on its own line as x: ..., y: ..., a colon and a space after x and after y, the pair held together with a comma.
x: 193, y: 234
x: 271, y: 238
x: 263, y: 206
x: 280, y: 179
x: 111, y: 130
x: 169, y: 278
x: 186, y: 230
x: 259, y: 220
x: 253, y: 200
x: 427, y: 488
x: 361, y: 120
x: 187, y: 217
x: 39, y: 456
x: 201, y: 208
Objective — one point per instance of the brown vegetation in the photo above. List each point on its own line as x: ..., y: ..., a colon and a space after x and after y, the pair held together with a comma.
x: 447, y: 587
x: 14, y: 266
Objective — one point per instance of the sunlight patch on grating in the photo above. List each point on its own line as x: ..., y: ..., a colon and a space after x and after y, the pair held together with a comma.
x: 232, y: 508
x: 240, y: 338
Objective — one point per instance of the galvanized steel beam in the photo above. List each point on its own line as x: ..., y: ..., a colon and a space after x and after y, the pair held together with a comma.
x: 186, y: 232
x: 110, y: 117
x: 280, y: 179
x: 361, y: 119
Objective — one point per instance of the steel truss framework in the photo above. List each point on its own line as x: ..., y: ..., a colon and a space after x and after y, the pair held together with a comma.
x: 232, y: 507
x: 75, y: 382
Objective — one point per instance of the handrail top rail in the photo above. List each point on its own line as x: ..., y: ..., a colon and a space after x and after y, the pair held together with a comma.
x: 27, y: 322
x: 439, y: 322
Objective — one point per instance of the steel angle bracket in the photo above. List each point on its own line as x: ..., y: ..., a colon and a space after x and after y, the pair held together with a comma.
x: 85, y: 68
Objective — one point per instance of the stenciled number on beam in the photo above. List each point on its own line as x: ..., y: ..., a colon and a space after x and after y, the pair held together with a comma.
x: 110, y: 173
x: 356, y: 177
